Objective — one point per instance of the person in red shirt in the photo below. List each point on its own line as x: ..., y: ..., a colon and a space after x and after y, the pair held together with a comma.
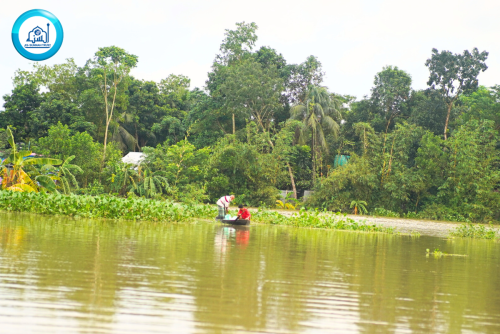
x: 243, y: 213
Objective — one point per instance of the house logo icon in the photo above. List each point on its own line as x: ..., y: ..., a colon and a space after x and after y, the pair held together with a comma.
x: 38, y: 35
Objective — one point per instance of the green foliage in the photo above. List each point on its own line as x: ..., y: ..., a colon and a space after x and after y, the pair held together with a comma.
x: 475, y: 232
x: 94, y: 189
x: 135, y: 208
x: 317, y: 219
x: 14, y: 167
x: 454, y: 74
x: 381, y: 212
x: 358, y: 206
x: 263, y: 124
x: 446, y: 180
x: 150, y: 184
x: 437, y: 253
x: 391, y: 90
x: 246, y: 168
x: 181, y: 166
x: 60, y: 143
x: 19, y: 108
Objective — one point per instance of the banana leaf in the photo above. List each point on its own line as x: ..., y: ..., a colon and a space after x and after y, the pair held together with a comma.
x: 42, y: 161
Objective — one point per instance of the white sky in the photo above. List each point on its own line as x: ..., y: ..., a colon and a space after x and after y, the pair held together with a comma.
x: 353, y: 39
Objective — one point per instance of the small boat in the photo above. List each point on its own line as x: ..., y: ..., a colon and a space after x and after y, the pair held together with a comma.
x: 236, y: 222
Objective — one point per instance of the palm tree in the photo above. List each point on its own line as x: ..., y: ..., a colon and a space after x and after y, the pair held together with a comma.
x: 14, y: 176
x: 359, y: 205
x: 318, y: 113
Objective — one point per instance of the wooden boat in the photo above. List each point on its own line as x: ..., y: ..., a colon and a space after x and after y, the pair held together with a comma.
x: 236, y: 222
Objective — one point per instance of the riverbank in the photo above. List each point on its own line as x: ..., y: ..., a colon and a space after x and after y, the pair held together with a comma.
x: 136, y: 208
x: 403, y: 225
x: 141, y: 209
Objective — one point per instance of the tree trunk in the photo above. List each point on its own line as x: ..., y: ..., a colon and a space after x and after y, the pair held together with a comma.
x: 105, y: 140
x: 137, y: 138
x: 234, y: 127
x: 314, y: 160
x: 447, y: 119
x: 292, y: 180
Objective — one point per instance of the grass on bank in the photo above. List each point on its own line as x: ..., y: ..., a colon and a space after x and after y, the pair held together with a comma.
x: 136, y: 208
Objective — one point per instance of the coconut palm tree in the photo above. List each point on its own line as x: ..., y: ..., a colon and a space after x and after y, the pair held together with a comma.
x: 319, y: 113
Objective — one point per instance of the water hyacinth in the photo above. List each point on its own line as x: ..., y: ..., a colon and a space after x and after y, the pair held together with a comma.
x: 475, y: 232
x: 318, y: 219
x: 137, y: 208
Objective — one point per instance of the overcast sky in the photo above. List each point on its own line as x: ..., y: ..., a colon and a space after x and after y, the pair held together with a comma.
x: 353, y: 39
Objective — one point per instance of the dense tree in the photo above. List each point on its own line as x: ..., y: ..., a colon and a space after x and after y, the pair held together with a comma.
x: 253, y: 92
x: 391, y: 89
x: 263, y: 124
x: 110, y: 68
x: 454, y: 74
x: 19, y: 107
x: 61, y: 144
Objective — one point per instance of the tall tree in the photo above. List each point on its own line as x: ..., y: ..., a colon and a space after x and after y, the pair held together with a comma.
x: 237, y: 43
x: 392, y: 88
x: 111, y: 66
x: 319, y: 113
x: 236, y: 46
x: 253, y: 91
x: 301, y: 77
x: 455, y: 74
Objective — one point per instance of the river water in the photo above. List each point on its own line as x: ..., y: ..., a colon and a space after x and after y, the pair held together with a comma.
x: 59, y: 275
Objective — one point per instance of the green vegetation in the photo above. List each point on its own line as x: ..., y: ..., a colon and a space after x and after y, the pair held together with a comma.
x: 437, y: 253
x: 358, y: 206
x: 261, y: 125
x: 475, y: 232
x: 318, y: 219
x: 136, y: 208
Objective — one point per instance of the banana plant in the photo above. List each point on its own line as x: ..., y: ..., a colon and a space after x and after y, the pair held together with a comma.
x: 63, y: 173
x: 150, y: 184
x: 14, y: 176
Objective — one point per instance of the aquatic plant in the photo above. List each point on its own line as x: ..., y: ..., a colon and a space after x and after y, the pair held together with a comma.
x: 470, y: 230
x: 318, y: 219
x: 103, y: 206
x: 437, y: 253
x: 414, y: 234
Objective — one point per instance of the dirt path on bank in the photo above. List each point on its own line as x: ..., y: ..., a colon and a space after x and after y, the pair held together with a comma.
x: 403, y: 225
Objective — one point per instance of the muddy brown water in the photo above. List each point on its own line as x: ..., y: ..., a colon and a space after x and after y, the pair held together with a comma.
x: 59, y: 275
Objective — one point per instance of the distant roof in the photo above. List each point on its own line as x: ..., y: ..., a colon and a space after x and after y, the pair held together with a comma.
x: 133, y: 158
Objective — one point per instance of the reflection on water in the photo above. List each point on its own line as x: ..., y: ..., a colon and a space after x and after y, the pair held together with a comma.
x: 81, y: 276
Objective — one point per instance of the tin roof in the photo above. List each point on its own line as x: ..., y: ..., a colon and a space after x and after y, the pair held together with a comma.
x: 134, y: 158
